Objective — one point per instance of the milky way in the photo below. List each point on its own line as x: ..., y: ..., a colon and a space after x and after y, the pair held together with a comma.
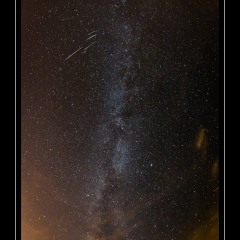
x: 120, y: 120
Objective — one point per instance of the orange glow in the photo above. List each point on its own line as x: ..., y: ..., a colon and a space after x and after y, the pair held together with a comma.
x: 201, y: 139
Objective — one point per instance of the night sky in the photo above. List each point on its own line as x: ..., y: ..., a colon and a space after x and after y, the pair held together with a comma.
x: 119, y: 120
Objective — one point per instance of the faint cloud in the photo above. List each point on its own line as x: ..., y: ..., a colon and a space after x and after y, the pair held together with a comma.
x: 208, y: 231
x: 29, y: 232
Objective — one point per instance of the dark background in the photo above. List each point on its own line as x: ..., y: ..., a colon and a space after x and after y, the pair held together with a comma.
x: 119, y: 141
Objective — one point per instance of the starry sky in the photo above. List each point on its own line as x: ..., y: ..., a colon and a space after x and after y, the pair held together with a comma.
x: 119, y: 120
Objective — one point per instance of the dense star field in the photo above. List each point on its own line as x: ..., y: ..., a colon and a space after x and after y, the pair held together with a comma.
x: 119, y: 120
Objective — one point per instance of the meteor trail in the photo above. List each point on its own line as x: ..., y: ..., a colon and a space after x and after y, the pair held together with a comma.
x: 91, y: 37
x: 91, y: 32
x: 89, y: 46
x: 139, y: 66
x: 73, y: 53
